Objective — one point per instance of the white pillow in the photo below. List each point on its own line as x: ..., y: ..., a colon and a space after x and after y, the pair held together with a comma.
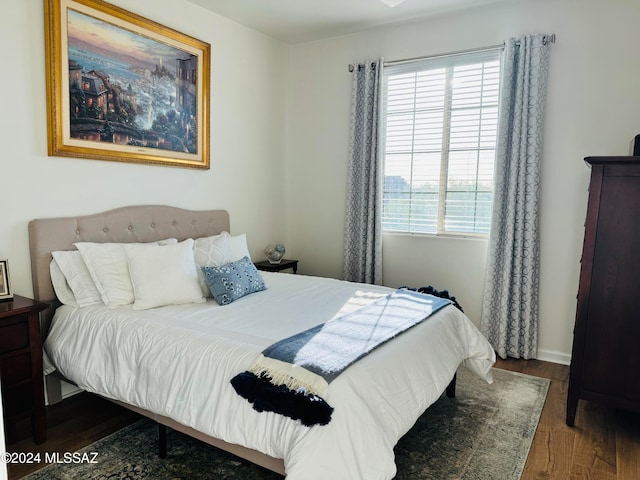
x: 210, y: 250
x: 163, y: 275
x: 107, y: 265
x: 236, y: 248
x: 78, y: 277
x: 60, y: 285
x: 216, y: 251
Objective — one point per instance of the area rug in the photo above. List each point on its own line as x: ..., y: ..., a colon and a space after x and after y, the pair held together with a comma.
x: 484, y: 433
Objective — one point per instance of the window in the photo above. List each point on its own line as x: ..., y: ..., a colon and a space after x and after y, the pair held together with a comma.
x: 440, y: 118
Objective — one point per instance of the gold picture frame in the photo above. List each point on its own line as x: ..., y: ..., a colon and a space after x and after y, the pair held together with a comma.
x: 124, y: 88
x: 6, y: 292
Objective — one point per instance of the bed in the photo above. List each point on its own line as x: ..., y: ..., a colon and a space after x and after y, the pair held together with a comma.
x: 174, y: 363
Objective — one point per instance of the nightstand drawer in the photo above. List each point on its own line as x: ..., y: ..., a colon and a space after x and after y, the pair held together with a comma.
x: 14, y: 336
x: 17, y: 400
x: 15, y: 368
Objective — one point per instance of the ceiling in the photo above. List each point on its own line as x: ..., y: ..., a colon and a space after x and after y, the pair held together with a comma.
x: 297, y: 21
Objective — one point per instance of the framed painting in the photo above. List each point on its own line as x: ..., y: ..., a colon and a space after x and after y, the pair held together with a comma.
x: 124, y: 88
x: 5, y: 282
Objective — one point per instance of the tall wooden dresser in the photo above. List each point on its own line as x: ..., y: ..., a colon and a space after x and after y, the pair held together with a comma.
x: 605, y: 363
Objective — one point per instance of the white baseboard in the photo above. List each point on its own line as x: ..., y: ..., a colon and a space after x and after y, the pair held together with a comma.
x: 554, y: 357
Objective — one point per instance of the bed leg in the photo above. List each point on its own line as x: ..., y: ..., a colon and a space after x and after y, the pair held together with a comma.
x: 451, y: 388
x: 162, y: 440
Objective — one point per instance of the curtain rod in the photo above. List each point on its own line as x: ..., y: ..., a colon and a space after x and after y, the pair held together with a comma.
x: 545, y: 39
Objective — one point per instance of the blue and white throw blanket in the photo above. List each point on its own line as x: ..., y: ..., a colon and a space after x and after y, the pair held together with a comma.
x: 290, y: 376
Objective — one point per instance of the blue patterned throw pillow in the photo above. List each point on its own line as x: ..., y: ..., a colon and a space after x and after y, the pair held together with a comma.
x: 233, y: 280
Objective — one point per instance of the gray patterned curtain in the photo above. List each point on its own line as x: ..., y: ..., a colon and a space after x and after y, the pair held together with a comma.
x: 363, y: 225
x: 510, y: 302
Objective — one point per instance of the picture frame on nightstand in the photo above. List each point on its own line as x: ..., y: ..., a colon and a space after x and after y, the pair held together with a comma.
x: 6, y: 293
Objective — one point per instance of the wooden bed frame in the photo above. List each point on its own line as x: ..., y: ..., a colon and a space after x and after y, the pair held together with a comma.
x: 126, y: 225
x: 145, y: 223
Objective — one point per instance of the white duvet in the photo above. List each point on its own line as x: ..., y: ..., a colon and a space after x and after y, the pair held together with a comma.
x: 177, y: 361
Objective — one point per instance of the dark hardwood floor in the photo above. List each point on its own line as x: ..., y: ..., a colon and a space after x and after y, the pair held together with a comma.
x: 603, y: 445
x: 72, y: 424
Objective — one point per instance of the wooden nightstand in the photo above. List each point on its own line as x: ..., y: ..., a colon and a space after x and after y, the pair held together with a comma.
x: 277, y: 267
x: 21, y: 363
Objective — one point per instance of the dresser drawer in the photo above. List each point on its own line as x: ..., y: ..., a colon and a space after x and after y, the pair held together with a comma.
x: 14, y: 336
x: 15, y: 368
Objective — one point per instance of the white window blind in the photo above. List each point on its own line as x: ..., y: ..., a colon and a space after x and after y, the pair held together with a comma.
x: 440, y: 120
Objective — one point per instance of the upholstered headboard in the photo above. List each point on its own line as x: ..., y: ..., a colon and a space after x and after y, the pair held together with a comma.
x: 142, y: 223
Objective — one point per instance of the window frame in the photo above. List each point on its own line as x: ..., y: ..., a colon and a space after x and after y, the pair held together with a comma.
x: 448, y: 61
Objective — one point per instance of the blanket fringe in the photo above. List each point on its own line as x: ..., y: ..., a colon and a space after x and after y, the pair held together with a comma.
x: 429, y: 290
x: 264, y: 395
x: 294, y: 377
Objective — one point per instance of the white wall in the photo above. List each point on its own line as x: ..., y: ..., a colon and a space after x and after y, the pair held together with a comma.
x: 248, y: 81
x: 593, y: 105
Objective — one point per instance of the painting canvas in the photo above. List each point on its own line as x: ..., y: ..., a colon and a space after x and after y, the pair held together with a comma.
x: 124, y: 88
